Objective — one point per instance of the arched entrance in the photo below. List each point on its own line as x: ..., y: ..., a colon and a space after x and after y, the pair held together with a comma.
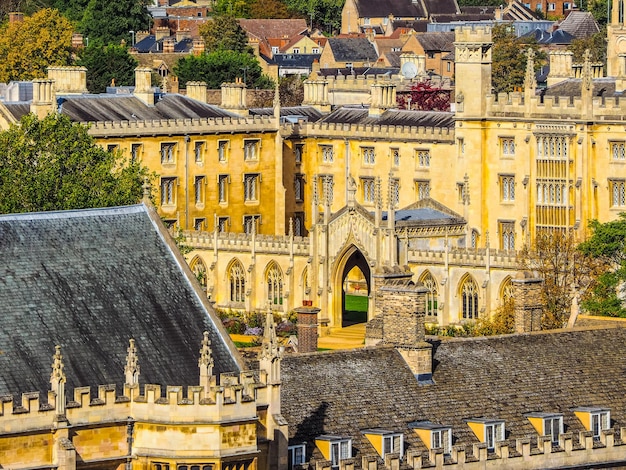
x: 353, y: 278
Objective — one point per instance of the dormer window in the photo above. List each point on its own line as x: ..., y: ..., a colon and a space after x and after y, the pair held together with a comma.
x: 594, y: 419
x: 488, y: 431
x: 385, y: 441
x: 334, y: 448
x: 547, y: 424
x: 434, y: 436
x: 296, y: 455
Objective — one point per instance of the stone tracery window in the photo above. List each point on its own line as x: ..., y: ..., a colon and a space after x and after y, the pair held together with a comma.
x: 432, y: 295
x: 237, y: 281
x: 469, y: 299
x: 274, y: 279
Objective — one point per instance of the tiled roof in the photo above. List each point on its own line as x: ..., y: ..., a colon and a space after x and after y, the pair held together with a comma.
x: 273, y: 28
x: 352, y: 49
x: 93, y: 108
x: 500, y: 377
x: 382, y: 9
x: 436, y: 41
x: 572, y: 87
x: 89, y: 281
x: 392, y: 117
x: 580, y: 24
x: 441, y: 7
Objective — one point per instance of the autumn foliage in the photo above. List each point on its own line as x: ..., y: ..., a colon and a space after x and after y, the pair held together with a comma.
x: 424, y: 96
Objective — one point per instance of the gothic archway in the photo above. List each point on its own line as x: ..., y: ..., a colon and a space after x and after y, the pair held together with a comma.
x: 352, y: 288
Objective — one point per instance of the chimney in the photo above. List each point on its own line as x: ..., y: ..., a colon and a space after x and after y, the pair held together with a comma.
x: 234, y: 97
x: 44, y: 99
x: 197, y: 91
x: 402, y: 305
x: 383, y: 97
x: 143, y: 85
x: 168, y: 45
x: 528, y: 303
x: 316, y: 90
x: 183, y: 34
x: 307, y: 327
x: 141, y: 35
x: 16, y: 17
x: 560, y: 67
x: 68, y: 80
x: 161, y: 32
x: 198, y: 46
x: 77, y: 41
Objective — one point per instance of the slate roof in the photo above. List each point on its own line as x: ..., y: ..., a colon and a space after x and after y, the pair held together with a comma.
x: 309, y: 113
x: 358, y: 71
x: 436, y: 41
x: 90, y: 280
x: 500, y: 377
x: 382, y: 9
x: 150, y: 44
x: 391, y: 117
x: 550, y: 37
x: 441, y: 7
x: 295, y: 60
x: 352, y: 49
x: 103, y: 107
x: 580, y: 24
x: 426, y: 212
x: 572, y: 87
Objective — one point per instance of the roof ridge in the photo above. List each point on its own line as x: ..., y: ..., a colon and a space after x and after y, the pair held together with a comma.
x: 73, y: 213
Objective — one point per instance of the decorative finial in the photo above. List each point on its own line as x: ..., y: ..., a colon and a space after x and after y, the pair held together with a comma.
x: 530, y: 83
x: 290, y: 226
x: 58, y: 374
x: 146, y: 189
x: 206, y: 355
x: 131, y: 370
x: 586, y: 73
x: 269, y: 347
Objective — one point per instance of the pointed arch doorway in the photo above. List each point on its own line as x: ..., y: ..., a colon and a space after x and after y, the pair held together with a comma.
x: 353, y: 281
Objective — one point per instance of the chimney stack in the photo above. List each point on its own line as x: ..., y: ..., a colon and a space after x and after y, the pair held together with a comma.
x: 528, y: 303
x: 307, y: 327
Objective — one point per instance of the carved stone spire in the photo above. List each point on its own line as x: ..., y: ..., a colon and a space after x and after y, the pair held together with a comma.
x: 269, y: 347
x: 586, y: 72
x: 206, y: 362
x: 530, y: 82
x: 131, y: 371
x: 379, y: 193
x: 57, y: 380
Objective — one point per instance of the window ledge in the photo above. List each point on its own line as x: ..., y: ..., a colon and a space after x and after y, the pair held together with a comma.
x: 251, y: 203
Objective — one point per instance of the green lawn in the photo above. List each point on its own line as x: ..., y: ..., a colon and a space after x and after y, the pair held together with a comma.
x: 356, y: 303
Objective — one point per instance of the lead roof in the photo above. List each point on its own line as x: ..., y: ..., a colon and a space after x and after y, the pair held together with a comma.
x: 89, y: 281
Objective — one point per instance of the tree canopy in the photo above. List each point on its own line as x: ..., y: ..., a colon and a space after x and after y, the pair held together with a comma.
x: 426, y: 97
x: 608, y: 245
x: 54, y: 164
x: 109, y: 22
x: 106, y: 64
x: 27, y: 48
x: 325, y: 14
x: 596, y: 44
x: 219, y: 67
x: 224, y: 34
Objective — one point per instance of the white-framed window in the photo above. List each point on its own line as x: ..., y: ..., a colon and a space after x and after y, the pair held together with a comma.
x: 275, y: 50
x: 494, y: 432
x: 369, y: 190
x: 369, y: 155
x: 198, y: 185
x: 167, y: 152
x: 198, y: 151
x: 251, y: 223
x: 135, y: 152
x: 349, y: 65
x: 340, y: 450
x: 251, y: 149
x: 328, y: 153
x: 441, y: 439
x: 222, y: 150
x: 168, y: 191
x: 422, y: 188
x: 296, y: 50
x: 600, y: 421
x: 222, y: 188
x: 553, y: 426
x: 507, y: 188
x: 551, y: 6
x: 507, y: 145
x: 222, y: 224
x: 448, y: 66
x: 423, y: 158
x: 392, y: 444
x: 315, y: 50
x: 366, y: 21
x: 251, y: 187
x: 297, y: 455
x: 618, y: 151
x: 395, y: 157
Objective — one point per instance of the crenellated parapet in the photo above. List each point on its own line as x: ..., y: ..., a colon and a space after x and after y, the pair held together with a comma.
x: 473, y: 34
x: 242, y: 242
x: 460, y: 257
x: 182, y: 126
x: 367, y: 131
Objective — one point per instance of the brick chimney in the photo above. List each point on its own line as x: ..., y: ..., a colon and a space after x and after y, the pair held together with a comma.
x: 78, y: 41
x: 198, y: 46
x: 528, y: 303
x: 183, y: 34
x: 307, y: 328
x: 16, y: 17
x: 168, y: 45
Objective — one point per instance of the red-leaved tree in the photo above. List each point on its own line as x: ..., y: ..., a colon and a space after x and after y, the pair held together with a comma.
x: 424, y: 96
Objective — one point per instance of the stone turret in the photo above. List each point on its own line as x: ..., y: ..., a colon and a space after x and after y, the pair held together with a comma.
x: 472, y: 70
x: 234, y: 97
x: 143, y: 85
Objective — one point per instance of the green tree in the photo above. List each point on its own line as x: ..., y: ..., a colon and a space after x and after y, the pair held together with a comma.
x: 109, y: 22
x: 224, y: 33
x: 29, y: 47
x: 106, y: 64
x: 234, y: 8
x: 291, y: 89
x: 324, y: 14
x: 607, y: 245
x: 219, y: 67
x: 509, y: 55
x: 269, y: 9
x: 54, y: 164
x: 596, y: 44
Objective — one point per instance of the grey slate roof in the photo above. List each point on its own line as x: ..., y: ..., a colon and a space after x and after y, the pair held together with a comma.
x: 550, y: 37
x: 103, y: 107
x: 352, y: 49
x: 90, y: 280
x: 309, y: 113
x: 500, y: 377
x: 382, y: 8
x: 580, y: 24
x: 436, y: 41
x: 572, y: 87
x: 392, y: 117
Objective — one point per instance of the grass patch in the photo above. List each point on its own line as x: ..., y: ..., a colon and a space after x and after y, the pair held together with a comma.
x: 242, y: 344
x: 356, y: 303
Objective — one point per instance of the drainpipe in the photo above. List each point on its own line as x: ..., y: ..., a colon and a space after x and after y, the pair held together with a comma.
x: 347, y: 165
x: 186, y: 182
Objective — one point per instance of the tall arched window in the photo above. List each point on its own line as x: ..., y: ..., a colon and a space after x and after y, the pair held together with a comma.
x: 199, y: 270
x: 237, y: 280
x: 469, y: 299
x: 274, y: 279
x: 432, y: 295
x: 506, y: 292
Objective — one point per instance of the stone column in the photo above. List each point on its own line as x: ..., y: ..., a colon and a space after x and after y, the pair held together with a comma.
x: 307, y: 328
x: 528, y: 303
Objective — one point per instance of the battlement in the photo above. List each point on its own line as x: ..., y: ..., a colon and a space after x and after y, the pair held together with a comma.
x: 473, y: 34
x: 236, y: 396
x: 181, y: 126
x: 274, y: 244
x: 367, y: 131
x: 458, y: 256
x: 514, y: 105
